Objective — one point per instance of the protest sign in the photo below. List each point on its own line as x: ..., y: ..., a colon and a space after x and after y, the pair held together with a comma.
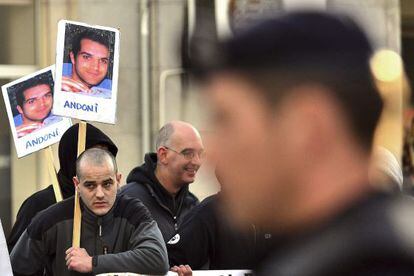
x: 87, y: 61
x: 29, y: 103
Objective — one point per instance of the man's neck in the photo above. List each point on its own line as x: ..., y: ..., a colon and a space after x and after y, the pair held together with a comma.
x: 27, y: 121
x: 331, y: 188
x: 165, y: 180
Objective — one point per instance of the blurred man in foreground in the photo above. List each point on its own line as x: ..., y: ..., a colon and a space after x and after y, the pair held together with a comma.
x: 118, y: 233
x: 302, y: 85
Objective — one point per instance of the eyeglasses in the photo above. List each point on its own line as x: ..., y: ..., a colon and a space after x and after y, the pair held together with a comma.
x: 189, y: 154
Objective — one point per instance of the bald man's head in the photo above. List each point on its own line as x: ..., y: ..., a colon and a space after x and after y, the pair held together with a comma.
x: 179, y: 128
x: 179, y: 151
x: 95, y: 157
x: 97, y: 180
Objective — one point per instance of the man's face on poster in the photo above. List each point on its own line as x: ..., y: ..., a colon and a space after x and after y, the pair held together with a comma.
x: 37, y: 104
x: 91, y: 62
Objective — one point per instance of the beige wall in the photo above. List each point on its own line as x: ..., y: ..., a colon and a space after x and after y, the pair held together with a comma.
x: 20, y: 33
x: 381, y: 19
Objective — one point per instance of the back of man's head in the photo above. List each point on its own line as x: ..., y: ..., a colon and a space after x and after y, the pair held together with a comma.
x: 294, y: 106
x: 96, y: 36
x: 305, y: 48
x: 95, y: 157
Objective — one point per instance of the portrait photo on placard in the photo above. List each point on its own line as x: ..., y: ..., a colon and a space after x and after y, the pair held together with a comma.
x: 87, y: 63
x: 29, y: 102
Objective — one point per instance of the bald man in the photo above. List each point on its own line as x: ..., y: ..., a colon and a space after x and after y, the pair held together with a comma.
x: 118, y: 233
x: 161, y: 183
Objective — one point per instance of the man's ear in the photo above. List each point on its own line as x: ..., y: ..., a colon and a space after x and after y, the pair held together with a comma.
x: 162, y: 155
x: 19, y: 109
x: 319, y: 119
x: 76, y: 182
x: 72, y: 57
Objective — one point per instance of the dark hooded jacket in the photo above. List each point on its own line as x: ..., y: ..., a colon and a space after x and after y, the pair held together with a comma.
x: 372, y: 236
x: 207, y: 237
x: 168, y: 211
x: 67, y: 158
x: 124, y: 239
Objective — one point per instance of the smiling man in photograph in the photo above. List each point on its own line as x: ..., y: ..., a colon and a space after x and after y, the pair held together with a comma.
x: 90, y: 59
x: 118, y: 233
x: 34, y: 104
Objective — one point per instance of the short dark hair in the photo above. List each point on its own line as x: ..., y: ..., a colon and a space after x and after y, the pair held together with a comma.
x: 96, y: 156
x: 98, y: 36
x: 354, y: 92
x: 302, y: 48
x: 35, y: 81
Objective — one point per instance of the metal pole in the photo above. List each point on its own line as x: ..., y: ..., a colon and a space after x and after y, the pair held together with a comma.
x: 145, y: 76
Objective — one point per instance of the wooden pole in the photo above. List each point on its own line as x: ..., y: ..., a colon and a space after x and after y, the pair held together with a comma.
x: 52, y: 173
x: 77, y: 215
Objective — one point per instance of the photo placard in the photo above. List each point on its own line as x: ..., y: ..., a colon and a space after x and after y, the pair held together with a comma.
x: 29, y: 102
x: 87, y: 65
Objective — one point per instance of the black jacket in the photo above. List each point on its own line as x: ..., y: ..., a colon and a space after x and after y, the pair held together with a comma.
x: 126, y: 239
x: 67, y: 158
x: 372, y: 237
x: 167, y: 211
x: 208, y: 237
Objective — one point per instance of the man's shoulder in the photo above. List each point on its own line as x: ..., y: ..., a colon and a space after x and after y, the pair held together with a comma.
x: 204, y: 213
x: 191, y: 200
x: 18, y: 120
x: 356, y: 265
x: 52, y: 119
x: 378, y: 229
x: 134, y: 186
x: 382, y: 221
x: 40, y: 200
x: 132, y: 209
x: 51, y: 216
x: 386, y: 210
x: 136, y: 189
x: 208, y: 205
x: 399, y: 212
x: 67, y: 69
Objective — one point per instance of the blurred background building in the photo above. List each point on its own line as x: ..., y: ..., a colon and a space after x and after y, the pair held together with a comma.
x: 153, y: 86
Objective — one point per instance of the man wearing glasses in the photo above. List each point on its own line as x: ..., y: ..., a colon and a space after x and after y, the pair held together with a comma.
x: 161, y: 183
